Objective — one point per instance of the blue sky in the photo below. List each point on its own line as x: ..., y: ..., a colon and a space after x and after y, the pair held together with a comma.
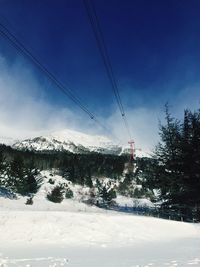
x: 154, y: 47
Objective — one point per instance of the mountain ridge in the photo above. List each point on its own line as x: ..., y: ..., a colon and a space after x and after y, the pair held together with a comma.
x: 69, y: 140
x: 75, y: 142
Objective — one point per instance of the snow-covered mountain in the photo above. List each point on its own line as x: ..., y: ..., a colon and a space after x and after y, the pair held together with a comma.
x: 68, y: 140
x: 75, y: 142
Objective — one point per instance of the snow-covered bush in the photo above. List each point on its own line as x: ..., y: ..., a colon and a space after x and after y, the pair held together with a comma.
x: 56, y: 195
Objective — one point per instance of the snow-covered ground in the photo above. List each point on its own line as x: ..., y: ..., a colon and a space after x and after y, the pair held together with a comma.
x: 73, y: 234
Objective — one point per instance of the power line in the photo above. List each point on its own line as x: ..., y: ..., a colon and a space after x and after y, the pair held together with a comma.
x: 20, y: 47
x: 103, y: 51
x: 4, y: 32
x: 94, y: 21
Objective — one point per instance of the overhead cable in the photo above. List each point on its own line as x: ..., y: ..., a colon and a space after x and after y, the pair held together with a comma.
x: 4, y: 32
x: 94, y: 21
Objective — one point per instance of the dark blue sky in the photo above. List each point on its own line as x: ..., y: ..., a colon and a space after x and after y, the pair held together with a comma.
x: 154, y: 47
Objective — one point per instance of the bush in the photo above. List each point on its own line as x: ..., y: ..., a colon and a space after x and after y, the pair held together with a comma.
x: 29, y: 201
x: 56, y: 194
x: 69, y: 193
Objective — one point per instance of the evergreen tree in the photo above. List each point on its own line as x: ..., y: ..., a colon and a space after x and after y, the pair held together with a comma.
x: 88, y: 179
x: 69, y: 193
x: 105, y: 192
x: 2, y: 161
x: 191, y: 157
x: 168, y: 152
x: 56, y: 195
x: 16, y: 175
x: 32, y: 182
x: 175, y: 170
x: 22, y: 179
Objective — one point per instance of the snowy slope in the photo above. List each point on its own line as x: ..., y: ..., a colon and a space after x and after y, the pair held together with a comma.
x: 85, y: 239
x: 84, y: 228
x: 72, y: 141
x: 75, y: 142
x: 81, y: 194
x: 74, y: 234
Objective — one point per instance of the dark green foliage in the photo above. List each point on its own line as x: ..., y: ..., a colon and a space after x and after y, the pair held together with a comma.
x: 80, y: 168
x: 74, y: 167
x: 32, y: 184
x: 69, y: 193
x: 88, y: 179
x: 2, y: 162
x: 56, y: 195
x: 16, y: 175
x: 3, y: 167
x: 22, y: 167
x: 175, y: 169
x: 105, y: 192
x: 139, y: 193
x: 31, y: 180
x: 29, y: 201
x: 22, y: 178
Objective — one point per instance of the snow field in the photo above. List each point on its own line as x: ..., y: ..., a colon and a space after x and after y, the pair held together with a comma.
x: 92, y: 239
x: 83, y: 228
x: 74, y: 234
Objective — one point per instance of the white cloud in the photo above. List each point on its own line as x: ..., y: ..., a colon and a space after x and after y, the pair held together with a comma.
x: 143, y: 124
x: 25, y: 110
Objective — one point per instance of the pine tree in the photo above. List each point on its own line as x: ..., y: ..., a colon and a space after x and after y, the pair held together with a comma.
x: 56, y: 195
x: 168, y: 176
x: 16, y: 175
x: 2, y: 160
x: 22, y: 179
x: 175, y: 169
x: 191, y: 157
x: 88, y: 179
x: 68, y: 193
x: 105, y: 192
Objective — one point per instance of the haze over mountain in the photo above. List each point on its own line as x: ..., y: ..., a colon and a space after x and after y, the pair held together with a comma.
x: 75, y: 142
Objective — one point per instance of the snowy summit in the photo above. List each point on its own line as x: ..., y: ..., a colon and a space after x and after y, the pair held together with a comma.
x: 72, y: 141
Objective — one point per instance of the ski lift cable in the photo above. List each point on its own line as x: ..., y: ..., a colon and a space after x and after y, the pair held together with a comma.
x: 102, y: 47
x: 94, y: 21
x: 103, y: 53
x: 5, y: 33
x: 18, y: 45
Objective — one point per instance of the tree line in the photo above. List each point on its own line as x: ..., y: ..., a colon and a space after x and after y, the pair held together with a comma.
x: 19, y: 169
